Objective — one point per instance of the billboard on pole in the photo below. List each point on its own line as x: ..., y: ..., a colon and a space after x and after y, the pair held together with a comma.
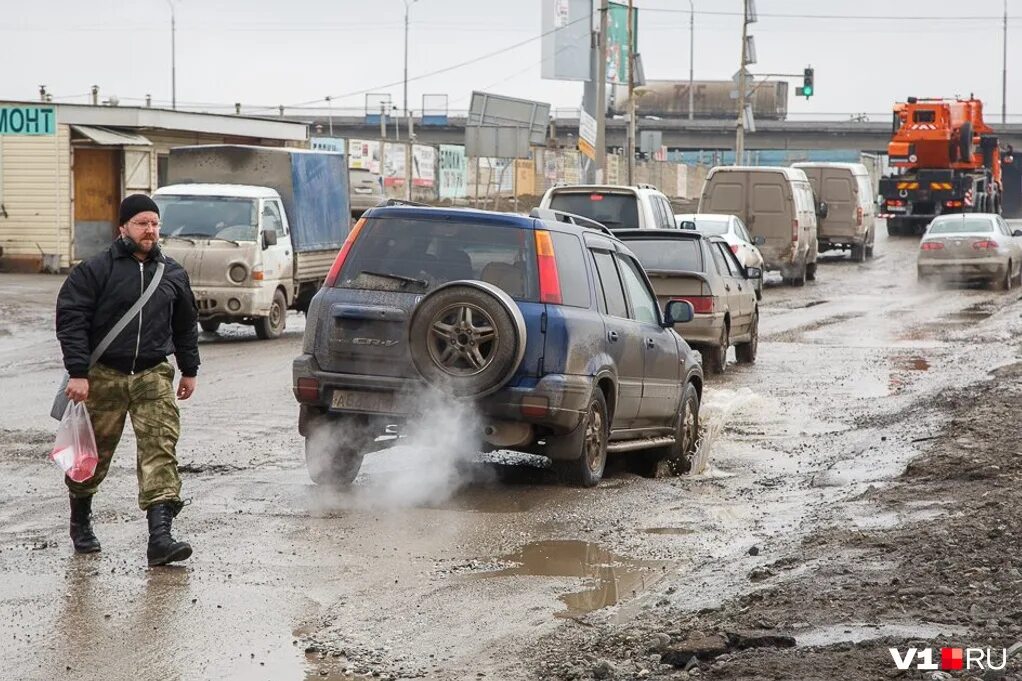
x: 453, y: 180
x: 617, y: 41
x: 566, y: 26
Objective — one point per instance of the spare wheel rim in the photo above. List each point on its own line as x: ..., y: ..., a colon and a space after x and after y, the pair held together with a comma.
x: 462, y: 340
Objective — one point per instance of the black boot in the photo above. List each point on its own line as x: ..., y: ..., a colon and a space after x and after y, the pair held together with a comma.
x: 162, y: 547
x: 81, y: 525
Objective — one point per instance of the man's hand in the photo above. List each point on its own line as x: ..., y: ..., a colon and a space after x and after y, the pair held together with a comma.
x: 77, y: 389
x: 185, y: 387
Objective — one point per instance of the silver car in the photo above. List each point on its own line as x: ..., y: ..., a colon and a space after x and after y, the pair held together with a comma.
x: 971, y: 247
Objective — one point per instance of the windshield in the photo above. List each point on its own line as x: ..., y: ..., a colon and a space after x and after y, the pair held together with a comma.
x: 616, y: 211
x: 395, y: 254
x: 221, y: 217
x: 961, y: 226
x: 670, y: 255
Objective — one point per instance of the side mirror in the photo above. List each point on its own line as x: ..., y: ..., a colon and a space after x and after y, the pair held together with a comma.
x: 758, y: 240
x: 753, y: 273
x: 1017, y: 232
x: 678, y: 312
x: 269, y: 238
x: 687, y: 224
x: 822, y: 209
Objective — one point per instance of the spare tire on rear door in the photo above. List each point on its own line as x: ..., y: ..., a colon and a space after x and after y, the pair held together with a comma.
x: 467, y: 338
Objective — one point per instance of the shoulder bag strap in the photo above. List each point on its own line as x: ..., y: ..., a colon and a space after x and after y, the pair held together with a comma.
x: 128, y: 316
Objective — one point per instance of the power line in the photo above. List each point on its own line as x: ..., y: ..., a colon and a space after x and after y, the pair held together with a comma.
x: 447, y: 69
x: 869, y: 17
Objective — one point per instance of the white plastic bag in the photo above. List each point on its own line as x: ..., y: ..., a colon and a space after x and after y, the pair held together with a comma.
x: 75, y: 449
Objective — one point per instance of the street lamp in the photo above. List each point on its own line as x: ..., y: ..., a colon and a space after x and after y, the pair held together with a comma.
x: 173, y: 58
x: 691, y: 57
x: 408, y: 6
x: 330, y: 114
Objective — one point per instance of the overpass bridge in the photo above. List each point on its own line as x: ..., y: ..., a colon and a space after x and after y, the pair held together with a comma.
x: 678, y: 134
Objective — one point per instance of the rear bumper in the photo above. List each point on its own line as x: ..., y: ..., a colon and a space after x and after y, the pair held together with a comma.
x: 843, y: 237
x: 963, y: 268
x: 704, y: 329
x: 566, y: 397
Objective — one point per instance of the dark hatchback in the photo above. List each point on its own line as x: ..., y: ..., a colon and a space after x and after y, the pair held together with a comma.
x: 551, y: 330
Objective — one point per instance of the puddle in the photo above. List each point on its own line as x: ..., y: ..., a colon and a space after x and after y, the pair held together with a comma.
x: 610, y: 579
x: 855, y: 633
x: 669, y: 530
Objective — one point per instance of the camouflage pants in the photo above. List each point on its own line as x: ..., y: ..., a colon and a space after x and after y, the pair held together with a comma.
x: 149, y: 398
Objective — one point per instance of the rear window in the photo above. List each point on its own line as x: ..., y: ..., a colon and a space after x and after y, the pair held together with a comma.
x: 668, y: 255
x: 394, y: 254
x: 711, y: 227
x: 616, y: 211
x: 961, y: 226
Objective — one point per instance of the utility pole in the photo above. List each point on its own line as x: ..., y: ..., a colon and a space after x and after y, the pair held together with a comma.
x: 1004, y: 68
x: 740, y: 128
x: 408, y: 116
x: 330, y: 115
x: 173, y: 57
x: 691, y: 59
x: 630, y: 144
x: 601, y: 96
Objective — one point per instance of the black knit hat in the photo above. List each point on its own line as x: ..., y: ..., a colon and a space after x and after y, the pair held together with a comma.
x: 135, y: 204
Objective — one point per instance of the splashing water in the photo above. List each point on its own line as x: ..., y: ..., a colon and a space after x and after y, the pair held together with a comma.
x: 716, y: 411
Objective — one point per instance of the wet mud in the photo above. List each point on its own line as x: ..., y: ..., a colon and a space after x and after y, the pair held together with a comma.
x: 869, y: 443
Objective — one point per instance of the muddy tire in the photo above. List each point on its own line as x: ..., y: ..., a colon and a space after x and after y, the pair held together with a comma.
x: 678, y: 456
x: 858, y: 253
x: 810, y: 273
x: 209, y: 326
x: 800, y: 277
x: 466, y: 341
x: 759, y: 289
x: 716, y: 357
x: 272, y: 325
x: 590, y: 439
x: 746, y: 352
x: 334, y: 450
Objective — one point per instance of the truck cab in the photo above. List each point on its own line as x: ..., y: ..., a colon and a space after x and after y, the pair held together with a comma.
x: 235, y: 243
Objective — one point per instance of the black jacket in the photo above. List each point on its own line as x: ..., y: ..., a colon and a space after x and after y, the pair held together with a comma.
x: 101, y: 289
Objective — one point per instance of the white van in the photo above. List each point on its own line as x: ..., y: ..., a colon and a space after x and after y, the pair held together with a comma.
x: 774, y: 203
x: 847, y: 190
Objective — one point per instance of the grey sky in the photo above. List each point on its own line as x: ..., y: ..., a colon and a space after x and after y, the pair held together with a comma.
x: 271, y: 52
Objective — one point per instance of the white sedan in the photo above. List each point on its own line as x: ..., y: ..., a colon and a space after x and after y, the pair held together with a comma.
x: 971, y: 247
x: 733, y: 231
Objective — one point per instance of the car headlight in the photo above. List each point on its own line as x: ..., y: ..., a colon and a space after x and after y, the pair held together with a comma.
x: 237, y: 273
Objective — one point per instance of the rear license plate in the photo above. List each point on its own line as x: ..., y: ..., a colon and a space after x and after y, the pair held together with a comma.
x: 364, y: 400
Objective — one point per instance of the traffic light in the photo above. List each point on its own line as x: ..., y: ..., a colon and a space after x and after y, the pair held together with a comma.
x: 807, y: 84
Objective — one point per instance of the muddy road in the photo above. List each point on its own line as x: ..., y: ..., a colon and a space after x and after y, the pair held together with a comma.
x: 450, y: 566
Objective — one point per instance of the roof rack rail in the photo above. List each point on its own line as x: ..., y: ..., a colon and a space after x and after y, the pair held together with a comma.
x: 570, y: 218
x: 402, y: 202
x: 646, y: 185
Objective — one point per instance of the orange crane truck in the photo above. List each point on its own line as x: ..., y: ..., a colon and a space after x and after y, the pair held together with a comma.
x: 947, y: 159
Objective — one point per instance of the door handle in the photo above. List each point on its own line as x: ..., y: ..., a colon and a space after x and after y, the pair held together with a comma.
x: 612, y: 336
x: 650, y: 344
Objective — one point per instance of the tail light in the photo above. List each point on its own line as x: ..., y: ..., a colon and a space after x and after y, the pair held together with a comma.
x: 794, y: 230
x: 549, y: 281
x: 307, y: 390
x: 984, y: 245
x: 734, y: 248
x: 953, y: 204
x: 335, y: 269
x: 858, y: 216
x: 932, y: 246
x: 535, y: 406
x: 895, y: 202
x: 700, y: 304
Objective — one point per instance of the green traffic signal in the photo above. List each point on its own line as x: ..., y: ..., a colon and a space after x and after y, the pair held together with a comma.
x: 807, y: 82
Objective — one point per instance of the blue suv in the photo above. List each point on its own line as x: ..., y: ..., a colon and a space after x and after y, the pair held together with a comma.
x: 546, y: 324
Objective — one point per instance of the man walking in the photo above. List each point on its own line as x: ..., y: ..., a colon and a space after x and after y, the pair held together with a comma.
x: 133, y: 375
